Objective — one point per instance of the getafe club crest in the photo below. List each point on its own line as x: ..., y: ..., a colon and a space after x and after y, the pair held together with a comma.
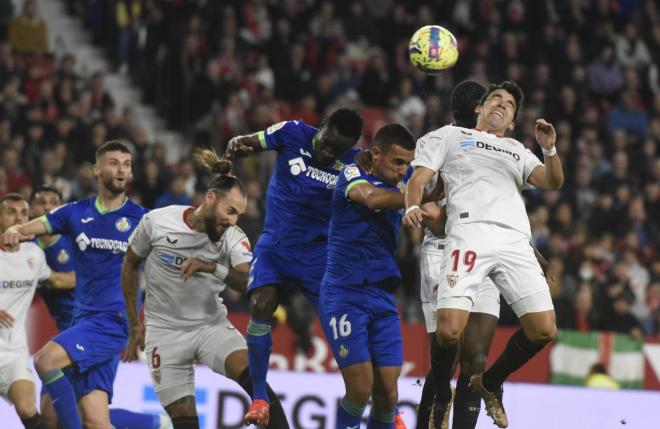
x: 123, y: 225
x: 343, y: 351
x: 63, y: 257
x: 452, y: 279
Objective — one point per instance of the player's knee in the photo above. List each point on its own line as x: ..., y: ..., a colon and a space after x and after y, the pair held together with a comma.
x: 387, y: 401
x: 43, y: 362
x: 358, y: 394
x: 544, y: 334
x: 447, y: 335
x: 25, y: 407
x: 95, y: 421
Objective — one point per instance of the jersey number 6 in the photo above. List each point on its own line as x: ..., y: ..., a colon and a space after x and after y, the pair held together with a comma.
x: 344, y: 327
x: 155, y: 358
x: 469, y: 259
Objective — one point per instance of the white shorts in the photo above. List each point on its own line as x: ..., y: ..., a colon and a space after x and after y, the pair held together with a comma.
x: 477, y: 251
x: 487, y: 300
x: 171, y: 353
x: 14, y: 366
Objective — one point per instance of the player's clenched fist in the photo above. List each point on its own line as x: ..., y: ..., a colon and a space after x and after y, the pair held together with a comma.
x: 11, y: 237
x: 135, y: 342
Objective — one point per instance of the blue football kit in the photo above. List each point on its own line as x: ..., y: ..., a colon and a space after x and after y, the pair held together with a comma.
x: 358, y: 310
x: 60, y: 303
x: 99, y: 330
x: 291, y: 250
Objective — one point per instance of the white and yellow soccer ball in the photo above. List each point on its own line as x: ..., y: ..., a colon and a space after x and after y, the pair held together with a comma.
x: 432, y: 49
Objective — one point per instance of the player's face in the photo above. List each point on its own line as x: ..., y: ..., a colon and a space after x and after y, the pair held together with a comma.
x: 44, y: 202
x: 497, y: 111
x: 13, y: 213
x: 113, y: 171
x: 331, y: 145
x: 223, y: 212
x: 392, y: 163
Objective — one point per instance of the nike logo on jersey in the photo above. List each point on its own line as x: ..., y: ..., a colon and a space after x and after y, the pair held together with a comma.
x: 304, y: 152
x: 86, y: 220
x: 79, y: 347
x: 172, y: 241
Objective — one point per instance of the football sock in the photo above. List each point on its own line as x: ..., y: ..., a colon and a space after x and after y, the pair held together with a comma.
x: 277, y: 418
x: 442, y: 368
x: 34, y: 422
x: 426, y: 402
x: 348, y: 414
x: 467, y: 404
x: 186, y: 422
x: 381, y: 419
x: 124, y: 419
x: 517, y: 352
x: 260, y: 342
x: 63, y: 398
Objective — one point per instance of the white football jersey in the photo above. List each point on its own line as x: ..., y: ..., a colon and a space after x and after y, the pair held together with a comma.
x: 483, y: 175
x: 20, y: 274
x: 434, y: 243
x: 166, y: 241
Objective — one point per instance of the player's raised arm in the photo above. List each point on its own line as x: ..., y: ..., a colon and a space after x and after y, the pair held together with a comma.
x: 550, y: 175
x: 435, y: 218
x: 241, y: 146
x: 25, y: 232
x: 414, y: 194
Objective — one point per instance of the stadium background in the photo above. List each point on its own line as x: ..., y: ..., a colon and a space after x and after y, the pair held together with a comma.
x: 172, y: 75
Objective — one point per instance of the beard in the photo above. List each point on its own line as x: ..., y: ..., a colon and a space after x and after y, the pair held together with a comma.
x: 109, y: 184
x: 211, y: 227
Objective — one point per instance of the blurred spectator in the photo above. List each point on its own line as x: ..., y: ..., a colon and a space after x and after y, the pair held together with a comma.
x: 175, y: 194
x: 28, y: 32
x: 625, y: 115
x: 578, y: 312
x: 6, y: 15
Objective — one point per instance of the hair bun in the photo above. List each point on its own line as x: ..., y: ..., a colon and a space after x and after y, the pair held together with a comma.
x: 222, y: 167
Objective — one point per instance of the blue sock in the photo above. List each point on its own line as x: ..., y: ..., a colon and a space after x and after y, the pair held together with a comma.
x: 63, y: 398
x: 380, y: 419
x: 124, y: 419
x: 348, y: 415
x: 260, y: 343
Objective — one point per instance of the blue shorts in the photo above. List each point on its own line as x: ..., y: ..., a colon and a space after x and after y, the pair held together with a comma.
x: 94, y: 344
x: 301, y: 267
x: 361, y: 324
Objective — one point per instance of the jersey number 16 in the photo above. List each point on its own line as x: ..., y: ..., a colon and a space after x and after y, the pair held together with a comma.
x: 344, y: 328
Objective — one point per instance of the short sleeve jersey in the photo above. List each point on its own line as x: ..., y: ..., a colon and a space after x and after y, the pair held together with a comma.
x: 100, y: 240
x: 299, y: 194
x: 483, y: 174
x: 362, y: 243
x: 60, y: 303
x: 166, y: 241
x: 20, y: 274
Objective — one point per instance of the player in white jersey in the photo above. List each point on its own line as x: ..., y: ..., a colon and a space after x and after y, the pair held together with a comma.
x: 22, y: 267
x: 488, y: 232
x: 192, y: 254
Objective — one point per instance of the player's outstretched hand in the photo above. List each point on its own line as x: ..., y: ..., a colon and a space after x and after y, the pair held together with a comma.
x: 192, y: 265
x: 11, y: 237
x: 135, y: 342
x: 6, y: 319
x: 545, y: 133
x: 237, y: 147
x: 413, y: 217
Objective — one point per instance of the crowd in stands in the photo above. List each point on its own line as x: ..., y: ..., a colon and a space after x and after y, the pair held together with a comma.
x: 216, y: 69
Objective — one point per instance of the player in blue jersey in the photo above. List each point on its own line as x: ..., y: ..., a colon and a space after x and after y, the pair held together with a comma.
x: 292, y: 248
x: 100, y: 228
x: 357, y: 307
x: 61, y: 302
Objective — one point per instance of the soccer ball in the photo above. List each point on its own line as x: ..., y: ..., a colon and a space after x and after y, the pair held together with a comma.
x: 432, y: 49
